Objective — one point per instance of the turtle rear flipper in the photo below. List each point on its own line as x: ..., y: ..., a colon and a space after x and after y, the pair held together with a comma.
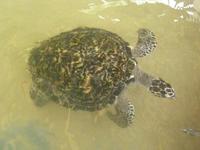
x: 146, y: 43
x: 39, y: 97
x: 125, y: 113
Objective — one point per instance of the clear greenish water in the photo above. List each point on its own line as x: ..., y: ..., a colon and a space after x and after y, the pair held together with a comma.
x: 158, y: 122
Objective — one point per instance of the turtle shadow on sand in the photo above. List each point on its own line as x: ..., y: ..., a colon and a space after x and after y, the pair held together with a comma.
x: 23, y: 136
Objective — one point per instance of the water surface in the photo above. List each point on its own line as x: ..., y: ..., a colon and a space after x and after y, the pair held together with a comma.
x: 159, y: 122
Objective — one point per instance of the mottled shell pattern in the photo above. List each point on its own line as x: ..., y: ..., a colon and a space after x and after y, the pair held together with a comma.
x: 84, y: 68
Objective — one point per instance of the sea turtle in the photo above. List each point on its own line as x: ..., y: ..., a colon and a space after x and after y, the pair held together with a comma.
x: 87, y: 69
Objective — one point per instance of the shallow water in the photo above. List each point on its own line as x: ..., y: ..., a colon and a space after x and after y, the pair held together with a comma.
x: 159, y: 123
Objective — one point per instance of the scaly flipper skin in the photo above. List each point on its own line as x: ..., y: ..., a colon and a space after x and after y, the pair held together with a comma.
x: 125, y: 113
x: 161, y: 88
x: 41, y: 92
x: 146, y: 43
x: 156, y: 86
x: 39, y: 97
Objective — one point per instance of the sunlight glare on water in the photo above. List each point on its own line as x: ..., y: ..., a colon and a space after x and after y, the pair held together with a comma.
x: 159, y: 123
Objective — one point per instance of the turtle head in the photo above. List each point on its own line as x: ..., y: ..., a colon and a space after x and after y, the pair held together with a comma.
x: 161, y: 88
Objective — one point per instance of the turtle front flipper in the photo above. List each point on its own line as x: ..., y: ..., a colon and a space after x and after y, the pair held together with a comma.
x: 156, y: 85
x: 125, y: 113
x: 146, y: 43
